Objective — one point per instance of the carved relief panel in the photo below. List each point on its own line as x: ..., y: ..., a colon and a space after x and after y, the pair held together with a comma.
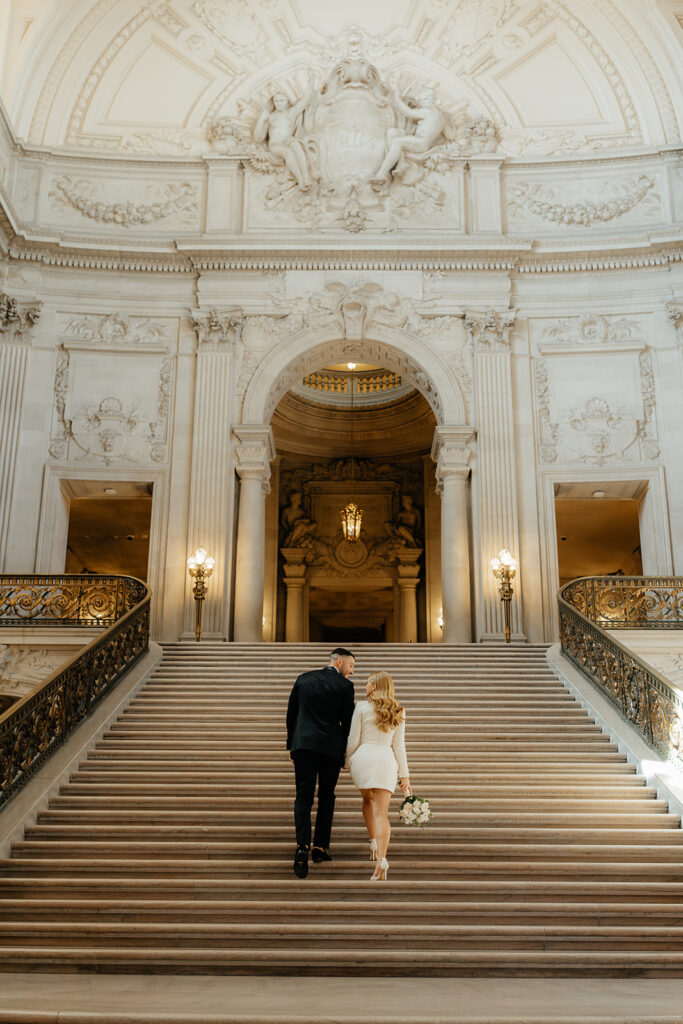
x: 113, y: 391
x: 595, y: 391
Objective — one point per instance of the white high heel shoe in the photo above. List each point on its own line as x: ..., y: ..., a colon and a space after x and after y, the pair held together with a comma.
x: 381, y: 876
x: 373, y: 849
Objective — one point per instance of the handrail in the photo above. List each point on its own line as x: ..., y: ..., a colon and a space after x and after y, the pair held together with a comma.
x: 32, y: 729
x: 628, y: 602
x: 591, y: 605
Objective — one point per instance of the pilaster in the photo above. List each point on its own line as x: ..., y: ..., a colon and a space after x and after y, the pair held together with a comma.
x: 16, y: 322
x: 496, y: 522
x: 209, y: 521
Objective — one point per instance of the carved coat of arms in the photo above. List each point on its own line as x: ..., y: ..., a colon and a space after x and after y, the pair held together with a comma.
x: 351, y: 148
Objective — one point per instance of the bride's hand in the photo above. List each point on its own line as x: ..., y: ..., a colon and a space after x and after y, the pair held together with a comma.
x: 406, y: 787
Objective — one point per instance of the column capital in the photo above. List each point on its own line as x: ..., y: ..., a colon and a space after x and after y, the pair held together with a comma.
x: 17, y: 318
x: 452, y: 451
x: 254, y: 451
x: 217, y: 330
x: 490, y: 329
x: 675, y: 313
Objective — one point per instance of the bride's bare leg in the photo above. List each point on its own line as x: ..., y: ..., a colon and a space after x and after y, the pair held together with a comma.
x: 381, y: 799
x: 368, y: 812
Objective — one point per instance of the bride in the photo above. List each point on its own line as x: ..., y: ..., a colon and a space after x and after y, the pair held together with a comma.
x: 376, y: 754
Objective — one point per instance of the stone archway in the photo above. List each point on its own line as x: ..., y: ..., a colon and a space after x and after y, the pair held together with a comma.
x: 353, y: 334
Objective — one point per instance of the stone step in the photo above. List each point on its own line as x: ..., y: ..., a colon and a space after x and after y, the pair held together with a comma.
x: 312, y: 960
x: 401, y: 848
x: 342, y: 936
x: 510, y: 837
x: 242, y: 865
x: 384, y: 910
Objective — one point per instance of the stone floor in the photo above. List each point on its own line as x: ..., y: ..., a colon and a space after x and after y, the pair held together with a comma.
x: 72, y: 999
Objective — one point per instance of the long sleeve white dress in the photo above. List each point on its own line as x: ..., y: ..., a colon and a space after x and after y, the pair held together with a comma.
x: 377, y: 759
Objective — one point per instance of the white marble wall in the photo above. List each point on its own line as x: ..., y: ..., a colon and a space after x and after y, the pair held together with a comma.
x: 576, y: 256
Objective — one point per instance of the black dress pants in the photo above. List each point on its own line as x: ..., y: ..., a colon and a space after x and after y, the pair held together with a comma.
x: 311, y: 767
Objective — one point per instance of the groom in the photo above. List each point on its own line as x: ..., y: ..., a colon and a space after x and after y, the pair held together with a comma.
x: 318, y: 721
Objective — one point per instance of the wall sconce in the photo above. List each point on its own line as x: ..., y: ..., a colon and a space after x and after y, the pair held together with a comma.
x: 200, y: 565
x: 439, y: 621
x: 504, y: 568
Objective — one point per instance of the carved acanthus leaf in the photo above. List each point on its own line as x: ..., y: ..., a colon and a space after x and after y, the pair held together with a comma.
x: 116, y: 328
x: 591, y: 329
x: 490, y: 330
x: 17, y: 318
x: 217, y: 328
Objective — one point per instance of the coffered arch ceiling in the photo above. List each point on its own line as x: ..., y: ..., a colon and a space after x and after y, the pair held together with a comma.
x: 150, y: 77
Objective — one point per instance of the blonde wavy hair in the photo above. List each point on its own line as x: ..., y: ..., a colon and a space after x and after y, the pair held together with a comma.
x: 389, y: 711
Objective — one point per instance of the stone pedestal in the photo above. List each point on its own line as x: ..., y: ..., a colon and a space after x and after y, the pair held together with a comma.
x: 295, y: 582
x: 451, y: 452
x: 253, y: 454
x: 408, y: 578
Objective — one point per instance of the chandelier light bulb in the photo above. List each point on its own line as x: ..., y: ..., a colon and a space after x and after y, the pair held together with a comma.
x: 351, y: 366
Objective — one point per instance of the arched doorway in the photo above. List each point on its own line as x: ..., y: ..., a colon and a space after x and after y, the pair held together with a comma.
x: 419, y: 365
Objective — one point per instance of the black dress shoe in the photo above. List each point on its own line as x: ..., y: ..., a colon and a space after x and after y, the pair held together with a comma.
x: 319, y: 855
x: 301, y: 862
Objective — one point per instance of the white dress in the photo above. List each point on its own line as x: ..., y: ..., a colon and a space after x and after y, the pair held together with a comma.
x: 376, y: 759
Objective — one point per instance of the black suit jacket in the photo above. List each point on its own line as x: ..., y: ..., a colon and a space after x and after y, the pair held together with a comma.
x: 319, y: 713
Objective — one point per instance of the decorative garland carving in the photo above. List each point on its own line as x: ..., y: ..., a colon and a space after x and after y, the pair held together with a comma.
x: 81, y: 196
x: 591, y: 329
x: 541, y: 200
x: 115, y: 329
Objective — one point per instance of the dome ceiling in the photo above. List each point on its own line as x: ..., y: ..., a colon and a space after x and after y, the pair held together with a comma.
x: 152, y: 77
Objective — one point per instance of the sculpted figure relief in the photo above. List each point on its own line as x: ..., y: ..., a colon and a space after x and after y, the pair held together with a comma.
x: 352, y: 151
x: 430, y: 124
x: 406, y: 527
x: 279, y: 126
x: 299, y: 529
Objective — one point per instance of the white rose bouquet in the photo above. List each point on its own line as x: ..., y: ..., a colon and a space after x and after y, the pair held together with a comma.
x: 415, y: 810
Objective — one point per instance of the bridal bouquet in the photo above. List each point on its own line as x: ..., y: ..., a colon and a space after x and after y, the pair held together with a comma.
x: 415, y: 811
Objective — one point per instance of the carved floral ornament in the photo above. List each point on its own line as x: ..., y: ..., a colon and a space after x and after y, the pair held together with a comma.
x: 112, y: 329
x: 354, y: 147
x: 567, y: 204
x: 490, y: 330
x: 675, y: 314
x: 591, y: 329
x: 17, y: 318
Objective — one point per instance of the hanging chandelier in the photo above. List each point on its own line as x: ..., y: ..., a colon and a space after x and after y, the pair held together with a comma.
x: 351, y: 515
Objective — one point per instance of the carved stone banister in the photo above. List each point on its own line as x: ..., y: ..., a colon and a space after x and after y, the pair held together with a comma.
x: 590, y: 606
x: 32, y: 729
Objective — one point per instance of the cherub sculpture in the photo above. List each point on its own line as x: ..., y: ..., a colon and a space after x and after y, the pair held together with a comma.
x: 278, y: 126
x: 430, y: 126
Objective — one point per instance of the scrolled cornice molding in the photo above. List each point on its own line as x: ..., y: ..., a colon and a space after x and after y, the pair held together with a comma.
x: 490, y: 330
x: 217, y: 329
x: 17, y: 318
x: 254, y: 450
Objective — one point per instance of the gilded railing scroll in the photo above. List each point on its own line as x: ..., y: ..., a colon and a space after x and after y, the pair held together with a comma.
x: 590, y: 606
x: 32, y: 729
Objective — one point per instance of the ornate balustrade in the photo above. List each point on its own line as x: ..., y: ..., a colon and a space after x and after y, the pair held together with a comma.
x: 341, y: 384
x: 590, y: 606
x: 36, y: 726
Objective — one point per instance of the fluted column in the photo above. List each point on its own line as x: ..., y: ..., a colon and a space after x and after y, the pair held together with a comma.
x: 209, y: 521
x: 451, y: 451
x: 294, y: 580
x: 16, y: 321
x: 253, y: 454
x: 497, y: 519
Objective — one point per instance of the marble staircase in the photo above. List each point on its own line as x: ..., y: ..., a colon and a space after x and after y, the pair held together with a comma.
x: 170, y: 848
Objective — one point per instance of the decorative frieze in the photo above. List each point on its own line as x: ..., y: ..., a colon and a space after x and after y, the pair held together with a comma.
x: 116, y: 329
x: 163, y: 203
x: 591, y: 329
